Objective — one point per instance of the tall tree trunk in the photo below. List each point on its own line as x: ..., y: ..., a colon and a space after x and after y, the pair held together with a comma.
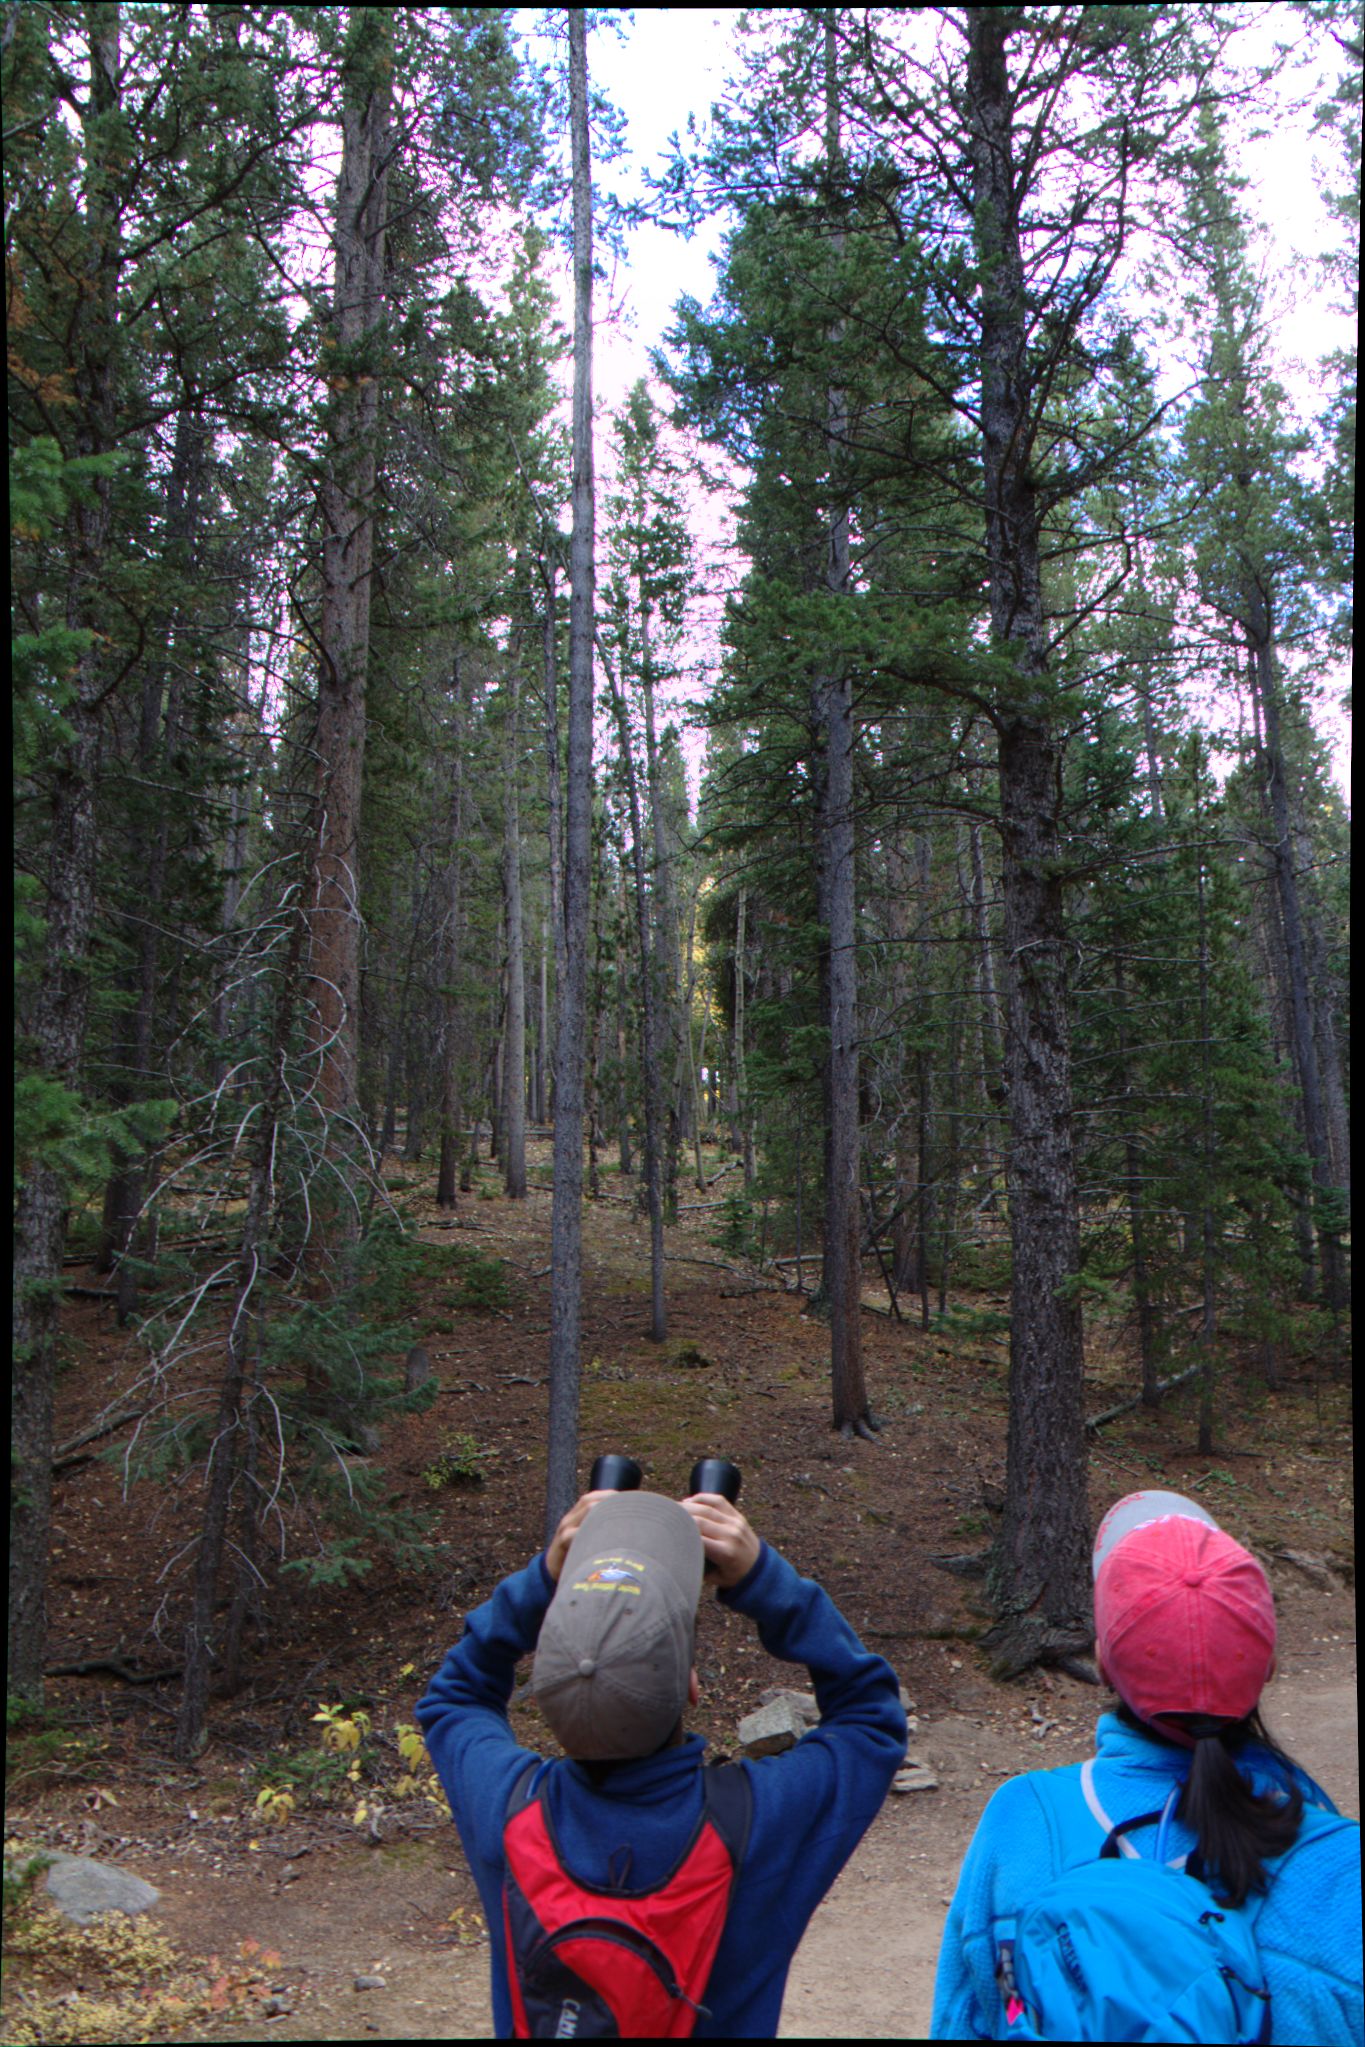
x: 347, y: 498
x: 226, y: 1012
x: 621, y: 923
x: 540, y: 1107
x: 1327, y: 1198
x: 992, y: 1029
x: 649, y: 1000
x: 741, y: 1122
x: 1208, y: 1237
x: 57, y: 1028
x: 400, y: 1022
x: 596, y: 1022
x: 905, y: 1204
x: 669, y: 1022
x: 554, y: 799
x: 1336, y: 1113
x: 1041, y: 1570
x: 451, y: 1033
x: 514, y: 1040
x: 951, y: 1171
x: 692, y: 1060
x: 1137, y: 1207
x: 924, y: 1094
x: 832, y: 719
x: 566, y: 1228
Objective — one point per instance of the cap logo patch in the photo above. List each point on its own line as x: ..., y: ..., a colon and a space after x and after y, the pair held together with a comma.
x: 613, y: 1574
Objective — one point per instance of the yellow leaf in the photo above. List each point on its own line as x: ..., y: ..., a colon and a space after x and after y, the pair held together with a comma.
x: 411, y: 1746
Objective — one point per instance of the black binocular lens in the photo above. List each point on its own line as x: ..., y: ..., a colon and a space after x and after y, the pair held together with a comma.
x: 716, y: 1475
x: 612, y: 1473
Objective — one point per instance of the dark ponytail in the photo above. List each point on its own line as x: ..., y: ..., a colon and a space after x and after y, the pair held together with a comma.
x: 1238, y: 1829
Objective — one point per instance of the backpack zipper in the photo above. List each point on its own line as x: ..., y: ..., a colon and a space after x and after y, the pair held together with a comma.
x: 615, y: 1933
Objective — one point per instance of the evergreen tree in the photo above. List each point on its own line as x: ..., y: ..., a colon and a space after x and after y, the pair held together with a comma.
x: 1255, y: 559
x: 566, y: 1226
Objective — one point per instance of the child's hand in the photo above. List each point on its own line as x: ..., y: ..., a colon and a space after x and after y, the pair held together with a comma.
x: 568, y: 1529
x: 732, y: 1548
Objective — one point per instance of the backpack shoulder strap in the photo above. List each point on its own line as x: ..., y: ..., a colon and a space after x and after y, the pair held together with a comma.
x: 524, y: 1789
x: 729, y: 1805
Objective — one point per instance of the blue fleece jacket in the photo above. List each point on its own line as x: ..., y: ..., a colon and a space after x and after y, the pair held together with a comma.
x: 811, y: 1806
x: 1308, y: 1930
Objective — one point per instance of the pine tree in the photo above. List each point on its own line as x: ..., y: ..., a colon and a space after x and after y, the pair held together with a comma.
x: 1255, y: 558
x: 566, y: 1223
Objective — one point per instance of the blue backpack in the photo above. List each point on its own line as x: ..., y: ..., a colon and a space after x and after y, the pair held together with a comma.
x: 1127, y: 1949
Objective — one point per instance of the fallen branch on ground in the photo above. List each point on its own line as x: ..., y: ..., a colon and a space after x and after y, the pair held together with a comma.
x: 687, y: 1258
x: 70, y: 1451
x: 115, y: 1664
x: 1097, y: 1421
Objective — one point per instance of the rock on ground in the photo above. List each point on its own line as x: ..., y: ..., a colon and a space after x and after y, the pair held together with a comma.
x: 83, y: 1889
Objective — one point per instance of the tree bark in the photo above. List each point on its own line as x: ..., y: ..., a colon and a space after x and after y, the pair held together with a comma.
x: 1137, y: 1207
x: 1327, y: 1197
x: 992, y: 1030
x: 540, y: 1107
x: 690, y: 1053
x: 1041, y: 1570
x: 451, y: 1029
x: 669, y: 1020
x: 1208, y: 1236
x: 347, y: 499
x: 514, y: 1039
x: 832, y: 721
x: 566, y: 1226
x: 554, y: 797
x: 649, y: 1001
x: 620, y: 925
x: 741, y: 1122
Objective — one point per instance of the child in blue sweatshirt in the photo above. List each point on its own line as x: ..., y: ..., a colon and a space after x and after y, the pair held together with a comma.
x: 1185, y: 1633
x: 624, y: 1802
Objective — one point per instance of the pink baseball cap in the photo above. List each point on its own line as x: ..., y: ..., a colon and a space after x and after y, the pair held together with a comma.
x: 1184, y: 1619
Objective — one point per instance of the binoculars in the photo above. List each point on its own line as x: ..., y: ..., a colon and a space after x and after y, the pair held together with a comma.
x: 612, y: 1473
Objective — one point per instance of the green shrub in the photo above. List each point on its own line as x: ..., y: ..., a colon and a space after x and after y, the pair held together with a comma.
x: 483, y: 1284
x: 734, y: 1226
x: 313, y: 1774
x: 459, y: 1464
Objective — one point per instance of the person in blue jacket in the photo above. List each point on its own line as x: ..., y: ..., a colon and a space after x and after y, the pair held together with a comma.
x: 627, y: 1796
x: 1185, y: 1635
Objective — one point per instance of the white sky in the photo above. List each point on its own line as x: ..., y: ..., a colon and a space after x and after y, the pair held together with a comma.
x: 672, y: 62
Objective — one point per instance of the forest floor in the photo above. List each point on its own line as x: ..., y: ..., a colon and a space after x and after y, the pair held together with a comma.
x: 271, y: 1923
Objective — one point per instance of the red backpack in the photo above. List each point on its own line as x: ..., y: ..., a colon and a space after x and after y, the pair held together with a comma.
x: 593, y: 1964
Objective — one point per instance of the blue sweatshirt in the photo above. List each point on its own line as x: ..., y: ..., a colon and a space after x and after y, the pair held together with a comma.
x: 811, y: 1806
x: 1307, y: 1932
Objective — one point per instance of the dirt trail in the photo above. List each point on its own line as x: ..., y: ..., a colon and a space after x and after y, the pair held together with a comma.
x: 866, y: 1966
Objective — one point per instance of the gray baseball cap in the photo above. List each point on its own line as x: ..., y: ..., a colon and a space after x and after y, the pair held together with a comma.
x: 615, y: 1650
